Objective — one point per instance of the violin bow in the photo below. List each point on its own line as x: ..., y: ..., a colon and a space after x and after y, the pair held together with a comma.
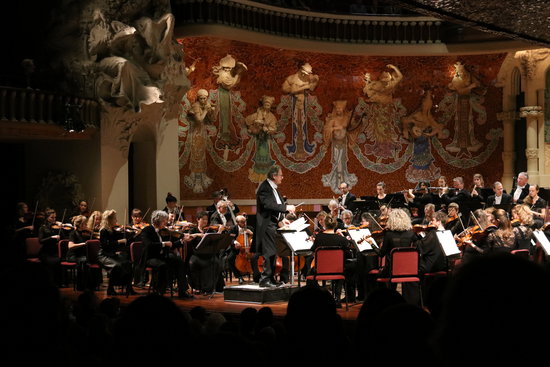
x: 477, y: 222
x: 146, y: 212
x: 91, y: 206
x: 34, y: 215
x: 375, y: 221
x: 62, y: 220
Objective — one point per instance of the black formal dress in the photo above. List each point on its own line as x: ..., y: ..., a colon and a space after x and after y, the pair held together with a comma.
x: 48, y: 254
x: 270, y: 210
x: 114, y: 257
x: 78, y: 255
x: 205, y: 269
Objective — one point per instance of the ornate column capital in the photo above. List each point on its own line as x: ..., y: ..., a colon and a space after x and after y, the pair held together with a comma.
x: 507, y: 116
x: 529, y: 60
x: 532, y: 153
x: 530, y: 112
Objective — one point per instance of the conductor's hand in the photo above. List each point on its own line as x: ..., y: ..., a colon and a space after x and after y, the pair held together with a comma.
x: 167, y: 244
x: 290, y: 208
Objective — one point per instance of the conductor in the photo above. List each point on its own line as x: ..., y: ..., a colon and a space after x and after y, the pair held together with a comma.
x: 271, y: 209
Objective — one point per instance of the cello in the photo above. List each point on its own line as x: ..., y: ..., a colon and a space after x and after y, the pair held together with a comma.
x: 242, y: 261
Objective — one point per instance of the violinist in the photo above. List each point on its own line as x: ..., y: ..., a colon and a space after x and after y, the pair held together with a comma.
x: 419, y: 200
x: 172, y: 206
x: 329, y: 238
x: 241, y: 228
x: 77, y: 248
x: 477, y: 245
x: 459, y: 196
x: 48, y: 235
x: 432, y: 257
x: 320, y: 222
x: 367, y: 260
x: 137, y: 224
x: 334, y: 209
x: 522, y: 224
x: 346, y: 217
x: 347, y: 198
x: 222, y: 216
x: 204, y: 269
x: 454, y: 223
x: 399, y: 233
x: 503, y: 239
x: 114, y: 255
x: 158, y: 255
x: 500, y: 197
x: 537, y: 205
x: 81, y: 209
x: 24, y: 219
x: 94, y: 223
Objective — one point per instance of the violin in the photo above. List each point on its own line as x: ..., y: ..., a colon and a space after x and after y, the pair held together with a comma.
x: 63, y: 226
x: 418, y: 228
x: 216, y: 227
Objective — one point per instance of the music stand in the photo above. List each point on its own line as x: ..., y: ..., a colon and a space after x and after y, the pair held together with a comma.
x: 448, y: 243
x: 212, y: 244
x: 297, y: 242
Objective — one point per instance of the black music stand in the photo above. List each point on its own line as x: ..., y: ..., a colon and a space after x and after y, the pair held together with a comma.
x: 211, y: 244
x: 294, y: 249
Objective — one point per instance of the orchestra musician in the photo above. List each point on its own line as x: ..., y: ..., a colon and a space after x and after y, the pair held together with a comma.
x: 381, y: 195
x: 346, y: 217
x: 537, y: 205
x: 500, y: 197
x: 330, y: 238
x: 137, y: 224
x: 172, y: 206
x: 218, y: 196
x: 48, y: 235
x: 454, y: 223
x: 347, y: 198
x: 502, y: 239
x: 222, y: 216
x: 94, y: 223
x: 443, y: 186
x: 240, y: 228
x: 432, y: 257
x: 270, y: 210
x: 522, y: 224
x: 419, y: 200
x: 320, y: 222
x: 399, y: 233
x: 460, y: 196
x: 522, y: 188
x: 113, y: 254
x: 24, y: 218
x: 479, y: 184
x: 158, y: 254
x: 77, y: 248
x: 204, y: 269
x: 81, y: 209
x: 478, y: 246
x: 334, y: 209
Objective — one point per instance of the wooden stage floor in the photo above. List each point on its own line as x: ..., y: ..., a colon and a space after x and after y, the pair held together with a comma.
x: 215, y: 303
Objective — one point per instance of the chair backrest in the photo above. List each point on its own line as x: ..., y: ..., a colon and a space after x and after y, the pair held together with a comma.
x: 92, y: 251
x: 136, y: 251
x: 32, y: 246
x: 329, y: 260
x: 523, y: 253
x: 62, y: 249
x: 404, y: 262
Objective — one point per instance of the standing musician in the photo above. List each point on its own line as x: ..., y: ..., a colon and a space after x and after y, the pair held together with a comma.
x: 172, y: 206
x: 270, y: 210
x: 204, y: 269
x: 537, y: 205
x: 347, y: 198
x: 522, y: 188
x: 222, y: 216
x: 158, y: 255
x: 113, y: 254
x: 381, y: 195
x: 240, y: 228
x: 48, y: 235
x: 77, y: 248
x: 500, y: 197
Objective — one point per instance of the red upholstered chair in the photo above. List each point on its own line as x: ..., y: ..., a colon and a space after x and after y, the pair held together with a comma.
x: 62, y: 249
x: 32, y: 249
x: 404, y: 266
x: 92, y: 263
x: 329, y: 265
x: 523, y: 253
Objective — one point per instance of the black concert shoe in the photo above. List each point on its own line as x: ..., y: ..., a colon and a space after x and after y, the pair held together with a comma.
x: 267, y: 284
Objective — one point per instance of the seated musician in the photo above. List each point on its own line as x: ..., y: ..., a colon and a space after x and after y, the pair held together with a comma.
x: 81, y: 209
x: 329, y: 238
x: 205, y: 269
x: 479, y: 184
x: 460, y: 196
x: 537, y: 205
x: 320, y: 222
x: 222, y: 216
x: 522, y: 224
x: 172, y: 206
x: 158, y: 254
x: 241, y: 228
x: 334, y: 209
x: 429, y: 214
x: 49, y: 234
x: 218, y: 196
x: 94, y: 223
x: 503, y: 239
x: 432, y: 257
x: 500, y: 197
x: 114, y: 255
x: 347, y: 198
x: 346, y: 217
x: 454, y: 222
x: 77, y: 248
x: 478, y: 246
x: 381, y: 192
x: 418, y: 200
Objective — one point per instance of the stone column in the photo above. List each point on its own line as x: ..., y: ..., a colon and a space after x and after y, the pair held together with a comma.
x: 508, y: 151
x: 532, y: 113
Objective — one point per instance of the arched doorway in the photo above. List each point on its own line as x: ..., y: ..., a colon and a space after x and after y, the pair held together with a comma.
x: 142, y: 175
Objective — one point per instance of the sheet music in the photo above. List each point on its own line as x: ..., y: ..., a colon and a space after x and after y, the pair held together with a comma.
x: 447, y: 242
x: 543, y: 240
x: 357, y: 235
x: 298, y: 241
x: 298, y: 225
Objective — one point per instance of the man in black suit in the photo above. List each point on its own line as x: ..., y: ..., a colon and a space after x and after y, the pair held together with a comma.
x: 270, y: 210
x: 347, y: 198
x: 222, y: 216
x: 522, y: 188
x: 500, y: 197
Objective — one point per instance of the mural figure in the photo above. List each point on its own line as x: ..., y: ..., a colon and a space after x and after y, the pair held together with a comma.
x: 299, y: 85
x: 466, y: 97
x: 262, y: 124
x: 335, y: 133
x: 200, y: 114
x: 382, y: 114
x: 420, y: 126
x: 228, y: 73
